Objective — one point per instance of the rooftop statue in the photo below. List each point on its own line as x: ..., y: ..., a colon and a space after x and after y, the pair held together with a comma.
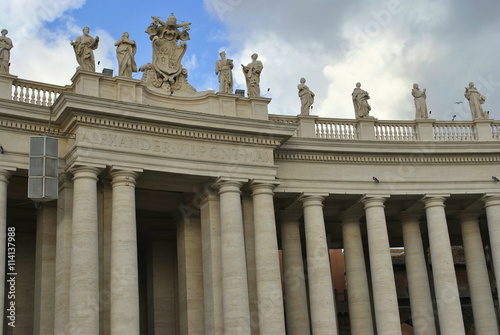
x: 125, y: 52
x: 360, y: 100
x: 223, y: 68
x: 306, y: 97
x: 84, y: 47
x: 420, y: 102
x: 166, y: 70
x: 5, y: 46
x: 476, y: 99
x: 252, y: 76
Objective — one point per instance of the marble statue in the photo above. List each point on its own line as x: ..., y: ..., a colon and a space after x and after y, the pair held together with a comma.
x: 476, y: 99
x: 360, y: 100
x: 166, y: 71
x: 223, y: 68
x: 252, y: 76
x: 84, y: 47
x: 125, y: 52
x: 306, y: 97
x: 420, y: 102
x: 5, y: 46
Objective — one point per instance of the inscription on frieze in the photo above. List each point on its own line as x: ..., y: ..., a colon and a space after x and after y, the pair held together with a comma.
x: 178, y: 148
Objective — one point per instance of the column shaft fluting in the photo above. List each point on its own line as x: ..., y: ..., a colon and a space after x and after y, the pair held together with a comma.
x: 234, y: 273
x: 385, y: 298
x: 4, y: 181
x: 443, y: 269
x: 84, y: 277
x: 322, y: 304
x: 422, y: 313
x: 297, y: 314
x: 360, y: 313
x: 124, y: 281
x: 269, y: 290
x: 485, y: 320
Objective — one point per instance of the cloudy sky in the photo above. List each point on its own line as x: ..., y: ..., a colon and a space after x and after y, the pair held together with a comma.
x: 386, y: 45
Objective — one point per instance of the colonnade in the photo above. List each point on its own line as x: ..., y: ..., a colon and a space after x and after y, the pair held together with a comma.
x: 309, y: 305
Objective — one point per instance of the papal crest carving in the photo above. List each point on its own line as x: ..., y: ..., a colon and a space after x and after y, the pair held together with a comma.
x: 166, y: 71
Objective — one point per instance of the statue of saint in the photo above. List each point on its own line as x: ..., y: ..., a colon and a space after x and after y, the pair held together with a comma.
x: 420, y: 103
x: 252, y: 76
x: 166, y: 71
x: 306, y: 97
x: 360, y: 100
x: 223, y: 68
x: 5, y: 46
x: 84, y: 50
x: 125, y: 52
x: 476, y: 99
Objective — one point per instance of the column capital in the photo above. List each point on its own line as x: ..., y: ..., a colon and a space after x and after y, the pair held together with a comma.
x: 351, y: 216
x: 374, y: 201
x: 491, y: 200
x: 123, y: 178
x: 434, y: 200
x: 262, y: 187
x: 312, y: 199
x: 229, y: 185
x: 209, y: 194
x: 410, y: 216
x: 5, y: 175
x: 90, y: 172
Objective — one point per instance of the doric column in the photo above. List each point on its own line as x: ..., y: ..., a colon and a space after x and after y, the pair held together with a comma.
x: 485, y: 320
x: 422, y: 313
x: 212, y: 279
x: 124, y: 280
x: 492, y: 206
x: 360, y: 312
x: 385, y: 298
x: 63, y: 253
x: 269, y: 290
x: 322, y: 304
x: 443, y: 269
x: 297, y: 314
x: 45, y: 272
x: 4, y: 181
x: 84, y: 276
x: 234, y: 271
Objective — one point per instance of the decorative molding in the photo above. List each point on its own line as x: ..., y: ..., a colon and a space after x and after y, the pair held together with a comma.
x: 410, y: 159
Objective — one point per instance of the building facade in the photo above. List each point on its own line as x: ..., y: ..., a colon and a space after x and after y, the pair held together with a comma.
x: 202, y: 214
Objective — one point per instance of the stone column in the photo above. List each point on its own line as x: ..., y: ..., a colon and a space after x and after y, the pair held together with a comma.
x: 84, y: 275
x: 63, y: 254
x: 322, y: 304
x: 422, y: 312
x: 212, y: 279
x: 443, y: 269
x: 360, y: 312
x: 269, y: 290
x: 124, y: 279
x: 45, y: 271
x: 385, y: 299
x: 485, y: 319
x: 492, y: 206
x: 297, y: 313
x: 234, y: 272
x: 4, y: 181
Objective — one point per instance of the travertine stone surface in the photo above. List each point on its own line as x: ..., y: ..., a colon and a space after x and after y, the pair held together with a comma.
x: 234, y: 272
x: 84, y: 277
x: 212, y: 276
x: 45, y: 265
x: 296, y: 307
x: 269, y: 290
x: 485, y: 320
x: 124, y: 281
x: 492, y: 206
x: 357, y: 279
x: 323, y: 315
x: 422, y: 313
x: 445, y: 282
x: 385, y: 299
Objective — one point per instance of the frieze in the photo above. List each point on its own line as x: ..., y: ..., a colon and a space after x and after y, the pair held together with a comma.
x: 177, y: 148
